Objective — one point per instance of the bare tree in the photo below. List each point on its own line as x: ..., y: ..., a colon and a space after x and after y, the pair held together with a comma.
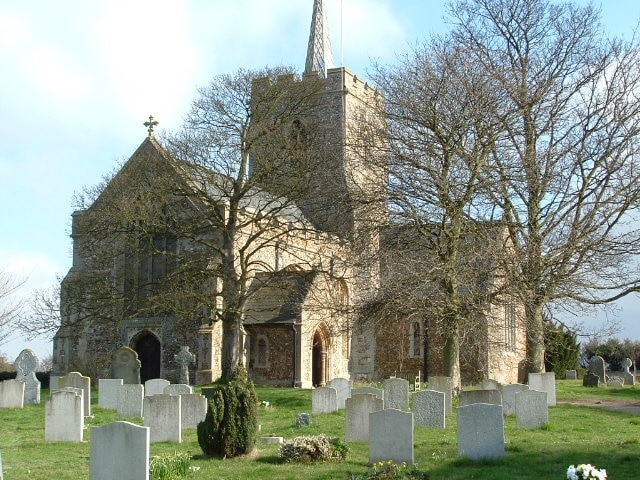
x: 10, y: 305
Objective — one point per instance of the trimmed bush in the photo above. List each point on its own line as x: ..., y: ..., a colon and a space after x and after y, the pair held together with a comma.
x: 313, y: 448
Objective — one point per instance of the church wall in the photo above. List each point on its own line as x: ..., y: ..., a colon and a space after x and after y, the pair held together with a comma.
x: 272, y: 357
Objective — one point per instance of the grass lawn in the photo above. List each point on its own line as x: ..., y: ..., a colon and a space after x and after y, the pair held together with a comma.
x: 575, y: 434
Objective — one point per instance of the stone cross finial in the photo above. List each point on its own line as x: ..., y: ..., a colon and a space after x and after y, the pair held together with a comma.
x: 184, y: 357
x: 150, y: 124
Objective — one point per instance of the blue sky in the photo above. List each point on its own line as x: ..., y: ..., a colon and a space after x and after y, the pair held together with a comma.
x: 79, y: 78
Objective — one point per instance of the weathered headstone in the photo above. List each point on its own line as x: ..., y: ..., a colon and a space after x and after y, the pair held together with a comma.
x: 544, y: 382
x: 532, y: 410
x: 108, y: 392
x: 177, y: 389
x: 467, y: 397
x: 391, y: 436
x: 480, y: 431
x: 445, y: 385
x: 125, y: 365
x: 615, y: 382
x: 11, y: 394
x: 77, y: 380
x: 343, y: 390
x: 54, y: 382
x: 378, y: 392
x: 597, y: 367
x: 155, y: 386
x: 428, y: 408
x: 184, y: 358
x: 590, y: 380
x: 119, y: 450
x: 26, y: 365
x: 163, y: 416
x: 509, y: 397
x: 324, y: 400
x: 303, y: 420
x: 571, y: 375
x: 130, y: 400
x: 396, y: 393
x: 193, y: 409
x: 490, y: 384
x: 64, y: 416
x: 629, y: 378
x: 357, y: 410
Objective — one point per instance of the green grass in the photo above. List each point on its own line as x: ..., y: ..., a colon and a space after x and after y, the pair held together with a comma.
x: 575, y: 434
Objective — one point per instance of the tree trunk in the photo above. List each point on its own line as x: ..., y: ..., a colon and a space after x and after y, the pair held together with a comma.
x: 231, y: 353
x: 451, y: 356
x: 535, y: 337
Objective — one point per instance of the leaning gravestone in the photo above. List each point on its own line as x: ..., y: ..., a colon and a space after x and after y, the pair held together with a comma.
x: 509, y: 393
x: 184, y: 358
x: 480, y: 431
x: 532, y: 410
x: 467, y: 397
x: 119, y: 450
x: 64, y: 416
x: 590, y: 380
x: 193, y: 409
x: 544, y: 382
x: 357, y: 410
x: 396, y: 393
x: 343, y: 390
x: 130, y: 398
x: 11, y: 394
x: 391, y: 436
x: 26, y: 365
x: 108, y: 392
x: 324, y: 400
x: 445, y: 385
x: 162, y: 414
x: 77, y: 380
x: 596, y: 366
x: 629, y: 378
x: 428, y: 408
x: 125, y: 365
x: 155, y: 386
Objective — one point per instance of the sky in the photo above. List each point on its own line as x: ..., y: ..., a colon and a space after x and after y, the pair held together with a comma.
x: 79, y: 78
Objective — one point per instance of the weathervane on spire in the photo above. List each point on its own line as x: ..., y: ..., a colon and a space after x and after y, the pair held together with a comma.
x: 150, y: 124
x: 319, y: 55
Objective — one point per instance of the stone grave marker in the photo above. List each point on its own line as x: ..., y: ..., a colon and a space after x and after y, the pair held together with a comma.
x: 428, y: 409
x: 571, y: 375
x: 445, y: 385
x: 391, y: 436
x: 396, y: 393
x: 26, y: 365
x: 54, y: 382
x: 119, y: 450
x: 184, y: 358
x: 303, y: 420
x: 590, y: 380
x: 467, y: 397
x: 615, y: 382
x: 177, y: 389
x: 597, y: 367
x: 509, y: 397
x: 163, y: 416
x: 629, y: 378
x: 544, y: 382
x: 324, y: 400
x: 343, y: 390
x: 532, y: 410
x: 193, y: 409
x: 125, y: 365
x: 1, y: 473
x: 11, y: 394
x: 130, y: 400
x: 378, y: 392
x: 155, y: 386
x: 108, y: 392
x: 490, y: 384
x: 480, y: 431
x: 64, y: 416
x: 77, y: 380
x: 357, y: 410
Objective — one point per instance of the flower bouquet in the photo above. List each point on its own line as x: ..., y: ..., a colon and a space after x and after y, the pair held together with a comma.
x: 586, y: 472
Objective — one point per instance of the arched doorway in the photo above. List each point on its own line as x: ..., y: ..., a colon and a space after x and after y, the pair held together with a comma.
x: 148, y: 347
x: 319, y: 357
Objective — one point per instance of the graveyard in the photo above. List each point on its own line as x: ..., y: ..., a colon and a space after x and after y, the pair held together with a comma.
x: 582, y: 427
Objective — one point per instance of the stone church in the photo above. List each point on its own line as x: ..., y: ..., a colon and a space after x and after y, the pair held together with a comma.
x: 301, y: 321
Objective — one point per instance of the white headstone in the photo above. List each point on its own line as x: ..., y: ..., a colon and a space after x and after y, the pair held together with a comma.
x: 343, y: 390
x: 77, y: 380
x: 130, y: 397
x: 119, y: 451
x: 396, y: 393
x: 155, y: 386
x: 163, y: 415
x: 324, y: 400
x: 480, y: 431
x: 391, y: 436
x: 428, y: 408
x: 544, y: 382
x: 108, y: 392
x: 26, y: 365
x: 64, y: 416
x: 532, y: 410
x: 177, y: 389
x: 467, y: 397
x: 357, y: 410
x: 445, y: 385
x: 509, y: 397
x: 629, y: 378
x: 11, y: 394
x: 193, y: 409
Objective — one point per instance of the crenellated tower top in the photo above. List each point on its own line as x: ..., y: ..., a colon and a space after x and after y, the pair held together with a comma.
x: 319, y: 55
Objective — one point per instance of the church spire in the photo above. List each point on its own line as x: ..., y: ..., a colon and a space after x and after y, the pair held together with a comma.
x: 319, y: 56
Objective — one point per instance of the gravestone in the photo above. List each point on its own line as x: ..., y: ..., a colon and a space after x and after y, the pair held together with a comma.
x: 130, y: 400
x: 11, y: 394
x: 428, y: 409
x: 357, y: 410
x: 445, y: 385
x: 193, y: 409
x: 162, y: 414
x: 54, y: 382
x: 108, y: 392
x: 125, y: 365
x: 629, y: 378
x: 184, y: 358
x: 303, y: 420
x: 1, y: 472
x: 324, y: 400
x: 155, y: 386
x: 590, y: 380
x: 396, y: 393
x: 571, y: 375
x: 615, y: 382
x: 509, y: 397
x: 467, y: 397
x: 391, y: 436
x: 77, y: 380
x: 480, y: 431
x: 532, y: 410
x: 343, y: 390
x: 64, y: 416
x: 119, y: 451
x: 26, y: 365
x: 177, y: 389
x: 490, y: 385
x: 544, y: 382
x: 597, y: 367
x: 378, y: 392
